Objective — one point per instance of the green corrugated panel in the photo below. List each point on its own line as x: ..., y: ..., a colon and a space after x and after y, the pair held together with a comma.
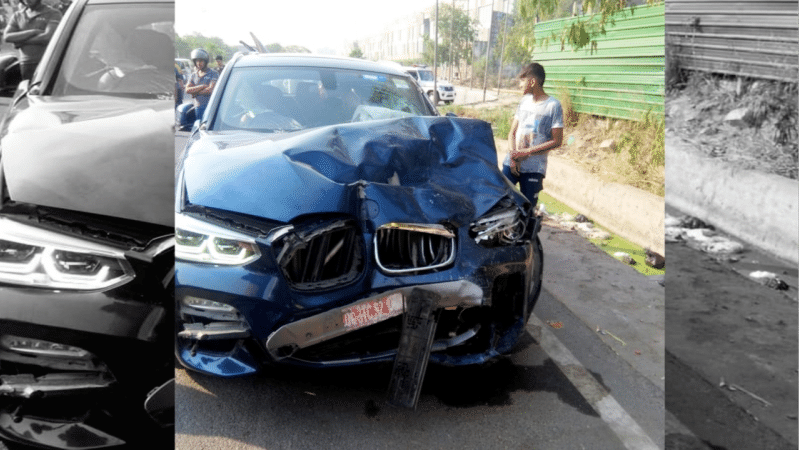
x: 622, y: 76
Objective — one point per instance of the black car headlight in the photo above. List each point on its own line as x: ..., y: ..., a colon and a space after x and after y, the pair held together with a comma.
x: 504, y: 224
x: 31, y: 256
x: 204, y: 242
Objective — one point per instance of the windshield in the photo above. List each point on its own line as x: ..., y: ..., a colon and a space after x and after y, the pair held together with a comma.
x: 426, y: 75
x: 119, y: 50
x: 290, y: 99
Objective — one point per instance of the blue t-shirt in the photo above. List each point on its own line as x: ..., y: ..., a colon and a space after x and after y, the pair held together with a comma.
x: 209, y: 77
x: 536, y: 122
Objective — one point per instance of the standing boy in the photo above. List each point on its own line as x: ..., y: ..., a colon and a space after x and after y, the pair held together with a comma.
x: 537, y: 128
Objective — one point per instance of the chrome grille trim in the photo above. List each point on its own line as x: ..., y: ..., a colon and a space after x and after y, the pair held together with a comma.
x: 408, y: 247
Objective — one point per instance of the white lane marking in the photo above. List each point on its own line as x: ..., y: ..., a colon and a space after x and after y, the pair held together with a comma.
x: 623, y: 425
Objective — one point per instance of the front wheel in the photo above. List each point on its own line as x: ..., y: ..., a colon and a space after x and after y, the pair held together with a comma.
x: 448, y: 102
x: 536, y: 276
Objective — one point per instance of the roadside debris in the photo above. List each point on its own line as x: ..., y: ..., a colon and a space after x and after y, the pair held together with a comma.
x: 769, y: 280
x: 624, y: 257
x: 700, y: 236
x: 734, y: 387
x: 653, y: 259
x: 606, y: 332
x: 556, y: 325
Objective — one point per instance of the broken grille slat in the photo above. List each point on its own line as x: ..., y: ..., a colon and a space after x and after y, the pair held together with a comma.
x: 325, y: 258
x: 403, y: 248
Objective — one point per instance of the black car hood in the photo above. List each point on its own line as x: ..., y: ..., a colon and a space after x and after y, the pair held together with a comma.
x: 98, y: 154
x: 420, y: 169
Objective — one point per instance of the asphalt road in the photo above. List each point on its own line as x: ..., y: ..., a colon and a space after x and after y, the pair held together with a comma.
x: 731, y: 352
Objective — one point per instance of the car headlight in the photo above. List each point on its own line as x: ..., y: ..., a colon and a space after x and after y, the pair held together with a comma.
x: 31, y: 256
x: 504, y: 224
x: 199, y: 241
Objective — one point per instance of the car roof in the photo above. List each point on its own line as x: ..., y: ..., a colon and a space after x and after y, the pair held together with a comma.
x: 311, y: 60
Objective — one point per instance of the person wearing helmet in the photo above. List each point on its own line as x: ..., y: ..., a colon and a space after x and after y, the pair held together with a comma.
x: 201, y: 82
x: 30, y: 29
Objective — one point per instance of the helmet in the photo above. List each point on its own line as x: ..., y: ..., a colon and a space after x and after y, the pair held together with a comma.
x: 199, y: 53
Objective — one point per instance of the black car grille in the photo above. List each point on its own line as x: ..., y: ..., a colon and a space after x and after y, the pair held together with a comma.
x: 402, y: 248
x: 447, y: 88
x: 323, y: 255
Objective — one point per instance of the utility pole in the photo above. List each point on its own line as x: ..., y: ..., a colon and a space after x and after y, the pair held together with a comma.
x: 488, y: 50
x: 502, y: 48
x: 472, y: 49
x: 436, y: 58
x: 452, y: 19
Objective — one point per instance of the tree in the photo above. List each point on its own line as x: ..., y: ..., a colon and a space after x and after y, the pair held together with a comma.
x: 576, y: 35
x: 213, y: 45
x: 463, y: 33
x: 356, y: 51
x: 274, y: 48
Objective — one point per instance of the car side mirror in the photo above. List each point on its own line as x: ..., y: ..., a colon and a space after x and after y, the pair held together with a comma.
x: 451, y: 114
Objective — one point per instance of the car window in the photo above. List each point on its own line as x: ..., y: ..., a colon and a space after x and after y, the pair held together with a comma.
x: 290, y: 99
x: 119, y: 50
x: 426, y: 75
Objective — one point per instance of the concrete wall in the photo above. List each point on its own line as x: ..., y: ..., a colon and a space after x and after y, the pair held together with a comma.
x: 758, y: 208
x: 636, y: 215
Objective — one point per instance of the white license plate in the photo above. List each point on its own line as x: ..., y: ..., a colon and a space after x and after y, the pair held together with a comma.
x: 372, y: 312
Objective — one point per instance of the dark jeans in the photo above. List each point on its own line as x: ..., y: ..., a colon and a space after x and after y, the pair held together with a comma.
x: 27, y: 69
x: 199, y: 110
x: 529, y: 183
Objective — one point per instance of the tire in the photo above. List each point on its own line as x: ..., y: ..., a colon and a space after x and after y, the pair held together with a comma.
x: 434, y: 96
x: 448, y: 102
x: 536, y: 276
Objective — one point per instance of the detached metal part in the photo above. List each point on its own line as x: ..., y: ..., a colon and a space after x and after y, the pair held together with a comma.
x: 414, y: 350
x: 327, y: 325
x: 28, y: 386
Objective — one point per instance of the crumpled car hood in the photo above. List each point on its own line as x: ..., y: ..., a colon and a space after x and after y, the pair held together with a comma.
x: 98, y: 154
x: 419, y: 169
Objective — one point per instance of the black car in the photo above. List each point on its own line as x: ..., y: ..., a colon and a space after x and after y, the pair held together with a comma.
x: 325, y: 212
x: 86, y: 235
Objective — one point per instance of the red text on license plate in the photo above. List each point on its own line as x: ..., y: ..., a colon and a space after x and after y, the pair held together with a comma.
x: 372, y: 311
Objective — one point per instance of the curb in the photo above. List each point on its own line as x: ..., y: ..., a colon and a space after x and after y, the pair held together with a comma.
x: 758, y: 208
x: 636, y: 215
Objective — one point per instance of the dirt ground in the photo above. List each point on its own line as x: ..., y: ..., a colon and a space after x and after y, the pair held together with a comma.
x: 764, y: 140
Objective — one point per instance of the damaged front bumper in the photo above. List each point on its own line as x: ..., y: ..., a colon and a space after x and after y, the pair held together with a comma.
x: 232, y: 321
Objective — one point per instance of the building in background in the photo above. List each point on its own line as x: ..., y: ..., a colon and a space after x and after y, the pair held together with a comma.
x: 404, y: 39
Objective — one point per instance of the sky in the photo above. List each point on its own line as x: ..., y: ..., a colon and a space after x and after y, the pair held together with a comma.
x: 314, y: 24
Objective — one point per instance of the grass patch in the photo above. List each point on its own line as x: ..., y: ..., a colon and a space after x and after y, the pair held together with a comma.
x: 634, y: 158
x: 610, y: 246
x: 499, y: 117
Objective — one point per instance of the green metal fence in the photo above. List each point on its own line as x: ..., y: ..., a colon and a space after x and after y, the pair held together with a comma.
x: 756, y: 38
x: 622, y: 76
